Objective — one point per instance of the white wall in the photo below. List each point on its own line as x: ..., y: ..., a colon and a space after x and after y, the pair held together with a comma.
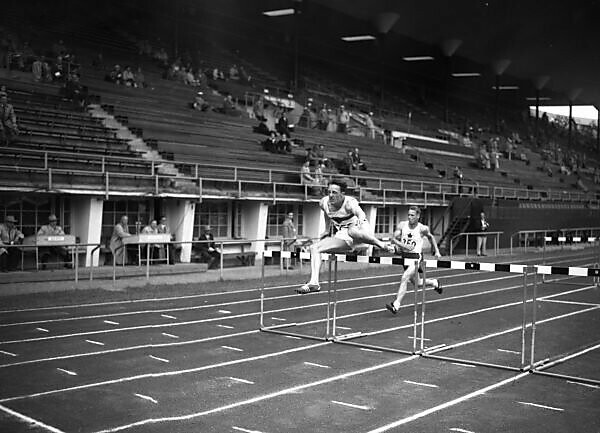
x: 86, y: 223
x: 254, y: 223
x: 314, y: 220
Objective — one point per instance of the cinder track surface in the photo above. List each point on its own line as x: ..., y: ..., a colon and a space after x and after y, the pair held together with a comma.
x: 187, y: 362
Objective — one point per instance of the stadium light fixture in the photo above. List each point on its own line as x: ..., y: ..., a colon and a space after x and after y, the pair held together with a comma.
x: 465, y: 74
x: 417, y: 58
x: 279, y: 12
x: 506, y: 87
x: 358, y: 38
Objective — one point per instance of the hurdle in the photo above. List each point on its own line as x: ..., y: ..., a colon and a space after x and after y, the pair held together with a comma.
x: 284, y: 328
x: 562, y: 240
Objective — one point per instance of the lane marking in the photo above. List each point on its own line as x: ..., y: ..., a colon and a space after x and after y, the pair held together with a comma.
x: 42, y: 329
x: 237, y: 349
x: 418, y: 338
x: 448, y: 404
x: 588, y: 385
x: 168, y: 373
x: 436, y: 346
x: 347, y: 328
x: 69, y: 372
x: 293, y: 337
x: 237, y: 379
x: 224, y: 311
x: 159, y: 359
x: 166, y: 316
x: 463, y: 365
x: 8, y: 353
x: 110, y: 322
x: 279, y: 319
x: 509, y: 351
x: 245, y: 430
x: 460, y: 430
x: 226, y: 326
x: 169, y: 335
x: 146, y: 397
x: 30, y: 420
x: 429, y: 385
x: 97, y: 343
x: 364, y: 349
x: 542, y: 406
x: 314, y: 364
x: 585, y: 304
x: 354, y: 406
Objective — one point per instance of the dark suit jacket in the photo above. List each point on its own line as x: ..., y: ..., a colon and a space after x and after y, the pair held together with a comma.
x: 207, y: 245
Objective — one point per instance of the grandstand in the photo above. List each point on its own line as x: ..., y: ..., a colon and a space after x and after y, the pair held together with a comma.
x: 144, y: 152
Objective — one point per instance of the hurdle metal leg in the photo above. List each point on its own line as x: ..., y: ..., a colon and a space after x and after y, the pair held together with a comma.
x: 524, y: 323
x: 423, y: 286
x: 533, y: 320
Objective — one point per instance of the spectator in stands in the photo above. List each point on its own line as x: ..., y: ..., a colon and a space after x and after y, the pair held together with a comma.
x: 284, y: 145
x: 118, y: 249
x: 323, y: 118
x: 347, y: 164
x: 75, y: 91
x: 319, y: 175
x: 259, y: 109
x: 8, y: 121
x: 283, y: 126
x: 200, y: 103
x: 218, y: 74
x: 229, y: 107
x: 36, y: 69
x: 321, y: 158
x: 458, y: 175
x: 53, y: 229
x: 289, y: 236
x: 484, y: 158
x: 357, y: 163
x: 580, y: 185
x: 9, y: 235
x: 331, y: 120
x: 343, y: 120
x: 234, y: 73
x: 129, y: 77
x: 59, y: 48
x: 306, y: 177
x: 115, y: 75
x: 208, y: 252
x: 270, y: 144
x: 163, y: 228
x: 370, y: 125
x: 139, y: 78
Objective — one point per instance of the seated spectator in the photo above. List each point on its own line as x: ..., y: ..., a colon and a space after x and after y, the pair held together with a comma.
x: 284, y: 145
x: 357, y: 163
x: 234, y: 73
x: 270, y: 144
x: 343, y: 120
x: 484, y: 158
x: 244, y: 76
x: 331, y: 121
x: 207, y: 251
x: 199, y: 103
x: 75, y: 91
x: 218, y: 74
x: 321, y: 158
x: 370, y: 125
x: 229, y: 107
x: 139, y: 78
x: 258, y: 108
x: 9, y: 235
x: 36, y: 69
x: 323, y: 118
x: 53, y: 229
x: 319, y: 175
x: 128, y: 77
x: 283, y: 126
x: 115, y: 75
x: 8, y: 121
x: 262, y: 128
x: 306, y: 178
x: 597, y: 176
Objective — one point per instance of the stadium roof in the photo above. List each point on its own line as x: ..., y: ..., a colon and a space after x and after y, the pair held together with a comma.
x: 555, y: 38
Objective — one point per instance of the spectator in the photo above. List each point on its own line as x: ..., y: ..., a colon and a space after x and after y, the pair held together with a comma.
x: 319, y: 177
x: 370, y: 126
x: 306, y: 177
x: 218, y: 75
x: 289, y: 236
x: 59, y: 48
x: 200, y: 103
x: 270, y: 144
x: 343, y: 120
x: 128, y: 77
x: 140, y: 79
x: 75, y: 91
x: 36, y: 69
x: 229, y: 107
x: 234, y: 73
x: 53, y: 229
x: 208, y: 252
x: 458, y: 175
x: 284, y: 145
x: 331, y: 121
x: 580, y: 185
x: 484, y: 158
x: 323, y: 118
x: 117, y: 247
x: 321, y: 158
x: 597, y: 176
x: 283, y: 126
x: 357, y: 163
x: 347, y: 164
x: 163, y: 228
x: 8, y: 121
x: 152, y: 249
x: 115, y: 75
x: 482, y: 226
x: 9, y: 235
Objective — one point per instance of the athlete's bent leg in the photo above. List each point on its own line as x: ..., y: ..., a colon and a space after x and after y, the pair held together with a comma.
x: 407, y: 276
x: 325, y: 245
x: 364, y: 234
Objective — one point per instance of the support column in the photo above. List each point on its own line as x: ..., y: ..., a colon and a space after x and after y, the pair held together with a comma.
x: 86, y: 224
x: 254, y: 223
x: 180, y: 219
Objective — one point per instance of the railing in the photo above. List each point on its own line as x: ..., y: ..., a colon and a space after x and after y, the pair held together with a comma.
x: 526, y: 237
x: 244, y: 175
x: 467, y: 234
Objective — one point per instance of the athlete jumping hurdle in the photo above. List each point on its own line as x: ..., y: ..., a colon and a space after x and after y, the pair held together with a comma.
x: 348, y: 228
x: 408, y: 239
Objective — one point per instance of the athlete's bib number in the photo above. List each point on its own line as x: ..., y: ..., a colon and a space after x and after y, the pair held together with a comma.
x: 408, y: 244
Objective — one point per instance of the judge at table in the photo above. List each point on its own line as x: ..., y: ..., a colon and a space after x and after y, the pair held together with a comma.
x: 53, y: 229
x: 120, y: 231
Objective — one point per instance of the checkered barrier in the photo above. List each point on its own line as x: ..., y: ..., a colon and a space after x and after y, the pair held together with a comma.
x: 443, y: 264
x: 570, y: 239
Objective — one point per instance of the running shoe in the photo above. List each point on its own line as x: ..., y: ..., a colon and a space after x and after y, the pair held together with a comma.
x: 438, y: 288
x: 391, y: 307
x: 308, y: 288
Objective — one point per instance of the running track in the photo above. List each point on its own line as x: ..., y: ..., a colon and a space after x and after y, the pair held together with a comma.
x: 199, y: 364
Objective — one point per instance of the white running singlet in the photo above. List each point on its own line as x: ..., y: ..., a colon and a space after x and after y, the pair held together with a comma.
x: 411, y: 239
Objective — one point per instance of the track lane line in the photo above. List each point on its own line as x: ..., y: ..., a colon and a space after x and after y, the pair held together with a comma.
x: 29, y: 420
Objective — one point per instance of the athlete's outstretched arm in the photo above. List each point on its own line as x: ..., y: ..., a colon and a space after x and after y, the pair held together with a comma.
x: 434, y: 247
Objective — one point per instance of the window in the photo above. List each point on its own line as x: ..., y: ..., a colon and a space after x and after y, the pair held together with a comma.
x: 139, y: 213
x: 276, y: 216
x: 32, y: 212
x: 383, y: 221
x: 216, y: 215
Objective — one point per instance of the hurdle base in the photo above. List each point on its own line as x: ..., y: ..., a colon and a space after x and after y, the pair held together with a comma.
x: 374, y: 347
x: 583, y: 380
x: 278, y: 331
x: 474, y: 363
